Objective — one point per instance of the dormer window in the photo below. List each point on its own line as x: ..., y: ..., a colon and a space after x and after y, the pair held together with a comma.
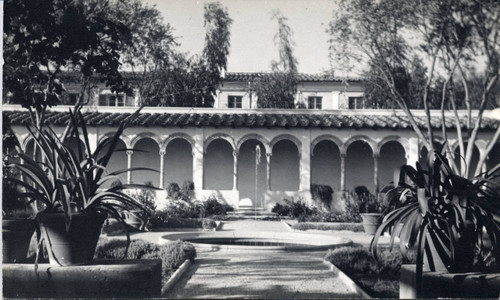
x: 356, y: 103
x: 314, y: 102
x: 234, y: 101
x: 112, y: 100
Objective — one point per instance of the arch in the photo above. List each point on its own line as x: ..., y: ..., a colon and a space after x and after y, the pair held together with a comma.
x: 253, y: 136
x: 326, y: 137
x: 285, y: 166
x: 144, y: 135
x: 392, y: 156
x: 437, y: 140
x: 359, y: 164
x: 217, y: 136
x: 125, y: 139
x: 177, y: 135
x: 394, y: 138
x: 218, y: 165
x: 146, y: 154
x: 289, y: 137
x: 178, y: 165
x: 357, y: 138
x: 325, y: 163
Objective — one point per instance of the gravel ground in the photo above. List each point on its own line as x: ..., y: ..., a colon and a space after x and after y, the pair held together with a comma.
x: 269, y: 275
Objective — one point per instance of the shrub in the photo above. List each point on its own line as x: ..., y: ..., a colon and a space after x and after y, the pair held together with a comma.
x: 353, y: 260
x: 161, y: 219
x: 281, y: 210
x: 113, y: 228
x: 187, y: 191
x: 213, y: 207
x: 173, y: 191
x: 146, y: 197
x: 349, y: 227
x: 208, y: 224
x: 172, y: 254
x: 322, y: 193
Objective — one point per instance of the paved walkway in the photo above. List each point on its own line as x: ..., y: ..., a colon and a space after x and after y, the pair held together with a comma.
x: 259, y: 274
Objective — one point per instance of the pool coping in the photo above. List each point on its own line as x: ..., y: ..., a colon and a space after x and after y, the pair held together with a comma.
x: 316, y: 242
x: 347, y: 280
x: 175, y: 277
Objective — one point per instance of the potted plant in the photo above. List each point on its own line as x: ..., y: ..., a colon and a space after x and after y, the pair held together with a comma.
x: 71, y: 185
x: 370, y: 210
x: 449, y: 221
x: 18, y: 225
x: 136, y: 219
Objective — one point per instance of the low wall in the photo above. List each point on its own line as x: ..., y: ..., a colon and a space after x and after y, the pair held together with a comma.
x: 457, y: 285
x: 102, y: 279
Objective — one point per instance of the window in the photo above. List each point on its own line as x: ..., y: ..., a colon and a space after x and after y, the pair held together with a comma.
x: 111, y: 100
x: 356, y: 102
x: 69, y: 98
x: 315, y: 102
x: 234, y: 101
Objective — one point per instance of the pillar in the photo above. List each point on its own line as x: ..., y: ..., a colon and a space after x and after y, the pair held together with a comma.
x: 305, y: 167
x: 268, y: 171
x: 375, y: 172
x: 129, y: 165
x: 342, y: 171
x: 162, y: 167
x: 413, y: 153
x: 198, y: 159
x: 235, y: 170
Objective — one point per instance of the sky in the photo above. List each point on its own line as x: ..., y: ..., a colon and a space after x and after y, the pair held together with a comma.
x: 252, y: 31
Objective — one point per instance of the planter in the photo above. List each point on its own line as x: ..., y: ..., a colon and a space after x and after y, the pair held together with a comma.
x: 371, y: 222
x: 75, y: 246
x: 449, y: 285
x: 16, y: 237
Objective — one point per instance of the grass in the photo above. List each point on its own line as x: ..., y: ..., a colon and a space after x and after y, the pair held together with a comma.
x: 379, y: 278
x: 172, y: 255
x: 326, y: 227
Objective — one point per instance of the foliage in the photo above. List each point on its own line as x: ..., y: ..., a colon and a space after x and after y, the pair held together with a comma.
x: 379, y: 277
x: 327, y: 227
x: 66, y: 180
x: 460, y: 217
x: 277, y: 90
x: 145, y: 196
x: 151, y: 48
x: 44, y: 38
x: 187, y: 191
x: 459, y: 39
x: 323, y: 193
x: 162, y: 219
x: 172, y: 255
x: 191, y: 81
x: 13, y: 205
x: 214, y: 207
x: 361, y: 201
x: 281, y: 210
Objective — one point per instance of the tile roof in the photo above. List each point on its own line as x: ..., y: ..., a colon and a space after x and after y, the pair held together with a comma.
x: 247, y: 119
x: 243, y: 76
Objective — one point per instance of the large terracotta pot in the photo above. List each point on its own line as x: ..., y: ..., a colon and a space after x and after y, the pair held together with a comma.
x: 16, y: 237
x: 75, y: 246
x: 371, y: 222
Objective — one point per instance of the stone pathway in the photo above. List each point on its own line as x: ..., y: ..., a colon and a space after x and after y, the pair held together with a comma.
x: 259, y: 274
x: 270, y: 275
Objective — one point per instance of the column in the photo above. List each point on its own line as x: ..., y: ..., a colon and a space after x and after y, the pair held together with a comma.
x: 413, y: 153
x: 342, y: 171
x: 375, y: 172
x: 162, y: 167
x: 198, y: 159
x: 305, y: 166
x: 129, y: 165
x: 268, y: 171
x: 235, y: 170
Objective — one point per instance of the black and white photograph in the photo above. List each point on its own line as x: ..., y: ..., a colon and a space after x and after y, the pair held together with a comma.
x: 265, y: 149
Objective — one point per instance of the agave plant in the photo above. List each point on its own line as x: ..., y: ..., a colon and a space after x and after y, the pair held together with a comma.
x: 70, y: 181
x: 451, y: 220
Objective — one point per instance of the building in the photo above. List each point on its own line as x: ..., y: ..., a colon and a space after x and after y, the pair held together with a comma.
x: 330, y: 142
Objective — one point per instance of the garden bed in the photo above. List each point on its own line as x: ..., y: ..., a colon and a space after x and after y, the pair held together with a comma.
x: 355, y: 227
x: 380, y: 278
x: 172, y: 255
